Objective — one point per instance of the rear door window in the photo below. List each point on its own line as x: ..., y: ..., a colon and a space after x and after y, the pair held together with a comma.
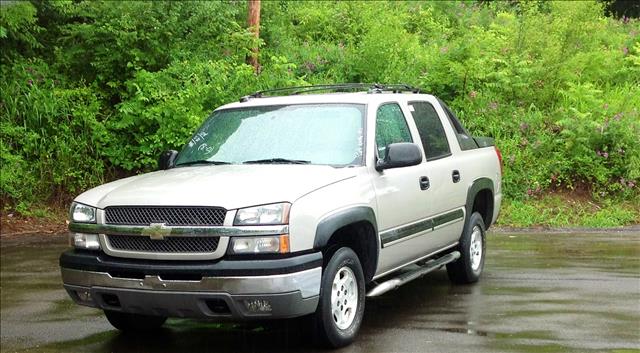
x: 434, y: 139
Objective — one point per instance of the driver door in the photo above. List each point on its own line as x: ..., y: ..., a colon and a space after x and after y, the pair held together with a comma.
x: 403, y: 209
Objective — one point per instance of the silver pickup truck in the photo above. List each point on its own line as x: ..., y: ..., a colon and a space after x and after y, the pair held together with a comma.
x: 287, y: 204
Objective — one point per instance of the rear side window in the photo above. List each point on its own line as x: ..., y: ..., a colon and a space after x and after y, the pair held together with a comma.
x: 391, y: 127
x: 434, y: 139
x: 464, y: 138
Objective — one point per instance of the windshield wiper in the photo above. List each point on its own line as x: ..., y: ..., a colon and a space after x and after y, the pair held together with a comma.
x: 277, y: 161
x: 202, y: 161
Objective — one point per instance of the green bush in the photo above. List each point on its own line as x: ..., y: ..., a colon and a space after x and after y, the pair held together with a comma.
x: 18, y: 31
x: 51, y: 138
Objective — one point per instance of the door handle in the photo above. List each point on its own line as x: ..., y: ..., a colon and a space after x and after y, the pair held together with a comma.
x: 455, y: 175
x: 424, y: 183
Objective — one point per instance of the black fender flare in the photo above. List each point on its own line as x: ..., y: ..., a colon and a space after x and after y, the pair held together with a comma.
x: 330, y: 224
x: 478, y: 185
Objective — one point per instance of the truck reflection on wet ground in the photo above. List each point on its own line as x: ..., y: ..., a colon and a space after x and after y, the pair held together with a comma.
x: 539, y: 293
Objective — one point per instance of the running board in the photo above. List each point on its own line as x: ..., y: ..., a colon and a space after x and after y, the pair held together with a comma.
x: 411, y: 275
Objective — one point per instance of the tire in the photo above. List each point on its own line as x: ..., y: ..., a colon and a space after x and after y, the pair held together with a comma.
x: 338, y: 324
x: 127, y: 322
x: 468, y: 268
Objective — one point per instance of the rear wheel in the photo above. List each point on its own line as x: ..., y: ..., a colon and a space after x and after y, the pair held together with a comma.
x: 342, y: 295
x: 468, y: 268
x: 127, y: 322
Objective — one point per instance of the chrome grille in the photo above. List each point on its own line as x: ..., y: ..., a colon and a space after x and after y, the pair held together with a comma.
x: 171, y: 216
x: 170, y: 245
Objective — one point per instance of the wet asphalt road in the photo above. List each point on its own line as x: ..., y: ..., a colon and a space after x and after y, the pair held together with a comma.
x: 539, y: 293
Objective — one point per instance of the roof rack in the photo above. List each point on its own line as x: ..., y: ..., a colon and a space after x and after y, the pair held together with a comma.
x: 341, y: 87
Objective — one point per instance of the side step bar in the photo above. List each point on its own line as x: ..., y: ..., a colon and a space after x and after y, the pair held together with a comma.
x: 411, y: 275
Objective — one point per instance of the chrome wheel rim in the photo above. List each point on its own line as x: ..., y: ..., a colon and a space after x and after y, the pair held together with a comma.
x: 475, y: 248
x: 344, y: 298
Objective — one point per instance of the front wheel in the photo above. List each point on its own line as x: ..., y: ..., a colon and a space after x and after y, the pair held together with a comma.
x: 341, y: 305
x: 127, y: 322
x: 472, y: 247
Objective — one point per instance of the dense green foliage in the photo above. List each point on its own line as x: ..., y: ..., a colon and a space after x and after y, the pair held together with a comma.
x: 96, y: 90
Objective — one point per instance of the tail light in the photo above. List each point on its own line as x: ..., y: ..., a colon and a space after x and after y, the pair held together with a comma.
x: 499, y: 159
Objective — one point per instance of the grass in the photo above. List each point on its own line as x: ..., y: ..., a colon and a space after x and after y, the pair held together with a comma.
x: 566, y: 210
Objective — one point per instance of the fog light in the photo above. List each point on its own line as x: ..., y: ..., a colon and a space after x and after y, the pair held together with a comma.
x: 84, y: 296
x: 258, y: 305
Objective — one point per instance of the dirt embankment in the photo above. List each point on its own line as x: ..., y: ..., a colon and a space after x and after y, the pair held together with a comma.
x: 12, y: 224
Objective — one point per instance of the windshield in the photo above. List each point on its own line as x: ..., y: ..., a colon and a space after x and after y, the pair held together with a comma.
x: 330, y: 134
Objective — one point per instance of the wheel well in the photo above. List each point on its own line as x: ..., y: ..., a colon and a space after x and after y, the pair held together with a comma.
x: 360, y: 237
x: 483, y: 204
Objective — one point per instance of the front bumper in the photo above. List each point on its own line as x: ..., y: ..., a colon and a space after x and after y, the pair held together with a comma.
x: 227, y: 289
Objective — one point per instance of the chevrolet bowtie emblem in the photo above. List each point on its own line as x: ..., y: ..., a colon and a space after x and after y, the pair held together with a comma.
x: 157, y: 231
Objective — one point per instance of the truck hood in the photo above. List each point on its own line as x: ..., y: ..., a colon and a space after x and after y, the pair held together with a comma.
x: 228, y: 186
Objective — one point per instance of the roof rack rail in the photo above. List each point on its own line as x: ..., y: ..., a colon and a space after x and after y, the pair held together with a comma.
x: 340, y: 87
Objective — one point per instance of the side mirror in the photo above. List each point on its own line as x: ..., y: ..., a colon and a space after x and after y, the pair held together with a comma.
x: 399, y: 155
x: 167, y: 159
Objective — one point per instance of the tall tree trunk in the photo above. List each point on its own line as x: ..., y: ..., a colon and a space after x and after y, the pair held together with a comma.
x: 253, y: 22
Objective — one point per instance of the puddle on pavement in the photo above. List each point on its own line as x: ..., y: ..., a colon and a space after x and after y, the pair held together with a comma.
x: 539, y: 293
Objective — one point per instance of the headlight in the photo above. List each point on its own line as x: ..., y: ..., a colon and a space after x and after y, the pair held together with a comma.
x: 82, y: 213
x: 84, y: 241
x: 260, y: 245
x: 277, y: 213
